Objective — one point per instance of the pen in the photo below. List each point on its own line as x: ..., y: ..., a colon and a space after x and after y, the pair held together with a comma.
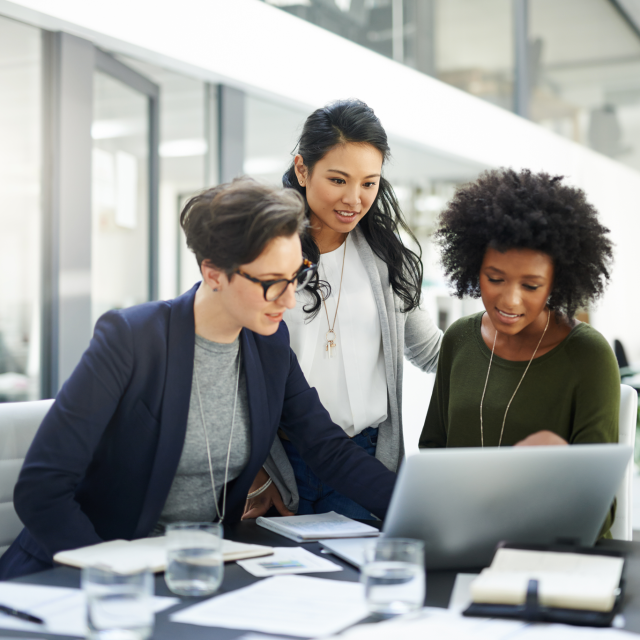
x: 23, y: 615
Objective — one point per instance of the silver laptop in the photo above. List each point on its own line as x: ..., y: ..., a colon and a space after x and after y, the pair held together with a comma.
x: 463, y: 502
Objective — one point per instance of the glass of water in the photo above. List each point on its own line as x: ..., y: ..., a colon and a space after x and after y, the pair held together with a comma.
x: 393, y: 576
x: 119, y: 606
x: 195, y: 565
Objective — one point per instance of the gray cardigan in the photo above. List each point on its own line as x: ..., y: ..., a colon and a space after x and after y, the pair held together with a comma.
x: 412, y: 334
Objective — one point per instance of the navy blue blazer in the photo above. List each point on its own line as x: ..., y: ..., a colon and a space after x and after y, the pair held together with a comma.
x: 102, y: 463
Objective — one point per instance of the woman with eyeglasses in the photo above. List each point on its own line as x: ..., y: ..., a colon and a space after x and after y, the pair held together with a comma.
x: 174, y: 406
x: 360, y: 316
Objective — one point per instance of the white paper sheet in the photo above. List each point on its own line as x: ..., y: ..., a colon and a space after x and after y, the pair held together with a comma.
x: 444, y: 624
x: 287, y: 561
x: 290, y: 605
x: 62, y: 609
x: 461, y: 594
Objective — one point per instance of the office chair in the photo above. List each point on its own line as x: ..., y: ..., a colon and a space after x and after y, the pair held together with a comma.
x: 622, y: 528
x: 19, y: 422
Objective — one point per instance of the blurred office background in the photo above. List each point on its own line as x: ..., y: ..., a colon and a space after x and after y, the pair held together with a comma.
x: 113, y: 114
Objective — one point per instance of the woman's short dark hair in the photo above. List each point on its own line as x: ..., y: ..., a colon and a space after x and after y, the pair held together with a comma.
x: 506, y: 209
x: 230, y: 225
x: 347, y: 121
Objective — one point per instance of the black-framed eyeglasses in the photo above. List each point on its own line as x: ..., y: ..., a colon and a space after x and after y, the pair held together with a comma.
x: 273, y: 289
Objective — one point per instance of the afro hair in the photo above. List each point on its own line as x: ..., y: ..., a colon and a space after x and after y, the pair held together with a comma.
x: 506, y: 209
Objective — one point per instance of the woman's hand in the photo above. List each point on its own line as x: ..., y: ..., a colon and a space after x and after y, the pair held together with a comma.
x: 541, y: 438
x: 258, y: 506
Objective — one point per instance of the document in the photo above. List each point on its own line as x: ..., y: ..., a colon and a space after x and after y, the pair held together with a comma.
x: 62, y: 609
x: 443, y: 624
x: 127, y: 556
x: 319, y: 526
x: 461, y: 594
x: 288, y: 560
x: 290, y: 605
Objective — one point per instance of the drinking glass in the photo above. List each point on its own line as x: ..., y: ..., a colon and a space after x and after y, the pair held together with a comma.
x: 119, y: 606
x: 195, y: 565
x: 393, y: 576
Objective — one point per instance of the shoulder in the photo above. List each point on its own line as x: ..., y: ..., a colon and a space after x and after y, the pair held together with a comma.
x: 462, y: 330
x: 588, y: 349
x: 458, y: 338
x: 141, y: 320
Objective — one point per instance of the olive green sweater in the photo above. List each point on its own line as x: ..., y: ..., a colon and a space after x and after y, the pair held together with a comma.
x: 573, y: 390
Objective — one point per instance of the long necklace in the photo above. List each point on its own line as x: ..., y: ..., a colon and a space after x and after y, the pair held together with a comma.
x: 330, y: 336
x: 206, y: 437
x: 519, y: 383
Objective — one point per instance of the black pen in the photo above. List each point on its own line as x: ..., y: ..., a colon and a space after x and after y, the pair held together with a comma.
x: 23, y: 615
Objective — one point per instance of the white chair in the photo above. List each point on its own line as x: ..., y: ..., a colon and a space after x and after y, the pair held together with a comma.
x: 622, y: 528
x: 19, y: 422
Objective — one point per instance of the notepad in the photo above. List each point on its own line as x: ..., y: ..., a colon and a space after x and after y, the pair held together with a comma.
x: 565, y: 580
x: 127, y: 556
x: 320, y: 526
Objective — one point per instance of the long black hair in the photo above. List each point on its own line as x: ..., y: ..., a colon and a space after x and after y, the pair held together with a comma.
x: 353, y: 121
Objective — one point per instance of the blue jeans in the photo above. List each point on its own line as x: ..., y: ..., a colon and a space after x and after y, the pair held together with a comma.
x: 317, y: 497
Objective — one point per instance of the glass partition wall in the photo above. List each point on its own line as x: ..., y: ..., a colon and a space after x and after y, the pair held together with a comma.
x: 586, y: 79
x: 120, y: 196
x: 20, y: 243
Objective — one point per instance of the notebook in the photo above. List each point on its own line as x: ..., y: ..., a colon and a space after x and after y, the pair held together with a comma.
x: 127, y: 556
x: 566, y: 580
x: 318, y: 526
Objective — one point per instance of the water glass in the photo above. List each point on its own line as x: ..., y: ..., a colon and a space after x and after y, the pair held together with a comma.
x: 393, y: 576
x: 119, y: 606
x: 195, y: 565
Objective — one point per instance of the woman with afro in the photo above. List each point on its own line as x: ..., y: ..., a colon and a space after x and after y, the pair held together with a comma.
x: 524, y: 371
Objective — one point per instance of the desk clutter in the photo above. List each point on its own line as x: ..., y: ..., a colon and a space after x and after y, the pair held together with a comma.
x: 583, y: 585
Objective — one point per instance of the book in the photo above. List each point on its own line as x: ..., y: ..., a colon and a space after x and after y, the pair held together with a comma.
x: 566, y: 580
x: 127, y: 556
x: 319, y: 526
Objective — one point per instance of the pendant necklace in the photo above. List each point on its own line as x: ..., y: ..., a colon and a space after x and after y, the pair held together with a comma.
x: 330, y: 336
x: 206, y: 437
x: 519, y: 383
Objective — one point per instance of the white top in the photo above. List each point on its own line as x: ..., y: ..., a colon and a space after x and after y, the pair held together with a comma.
x: 352, y: 385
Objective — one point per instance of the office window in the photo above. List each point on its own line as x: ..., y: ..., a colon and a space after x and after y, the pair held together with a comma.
x: 466, y: 43
x: 188, y: 164
x: 271, y: 133
x: 586, y: 75
x: 474, y: 48
x: 120, y: 193
x: 20, y: 159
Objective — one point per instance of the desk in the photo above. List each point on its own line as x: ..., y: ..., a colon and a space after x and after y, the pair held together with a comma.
x: 439, y: 586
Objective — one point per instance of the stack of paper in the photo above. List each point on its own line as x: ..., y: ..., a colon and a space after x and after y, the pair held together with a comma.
x: 127, y: 556
x: 567, y: 580
x: 291, y: 605
x: 317, y: 527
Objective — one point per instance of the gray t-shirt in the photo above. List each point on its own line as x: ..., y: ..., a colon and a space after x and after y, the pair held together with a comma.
x: 191, y: 495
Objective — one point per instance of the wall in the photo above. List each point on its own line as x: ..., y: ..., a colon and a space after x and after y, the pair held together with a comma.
x: 253, y: 46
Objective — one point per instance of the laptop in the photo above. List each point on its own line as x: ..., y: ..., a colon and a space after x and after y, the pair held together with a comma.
x: 463, y: 501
